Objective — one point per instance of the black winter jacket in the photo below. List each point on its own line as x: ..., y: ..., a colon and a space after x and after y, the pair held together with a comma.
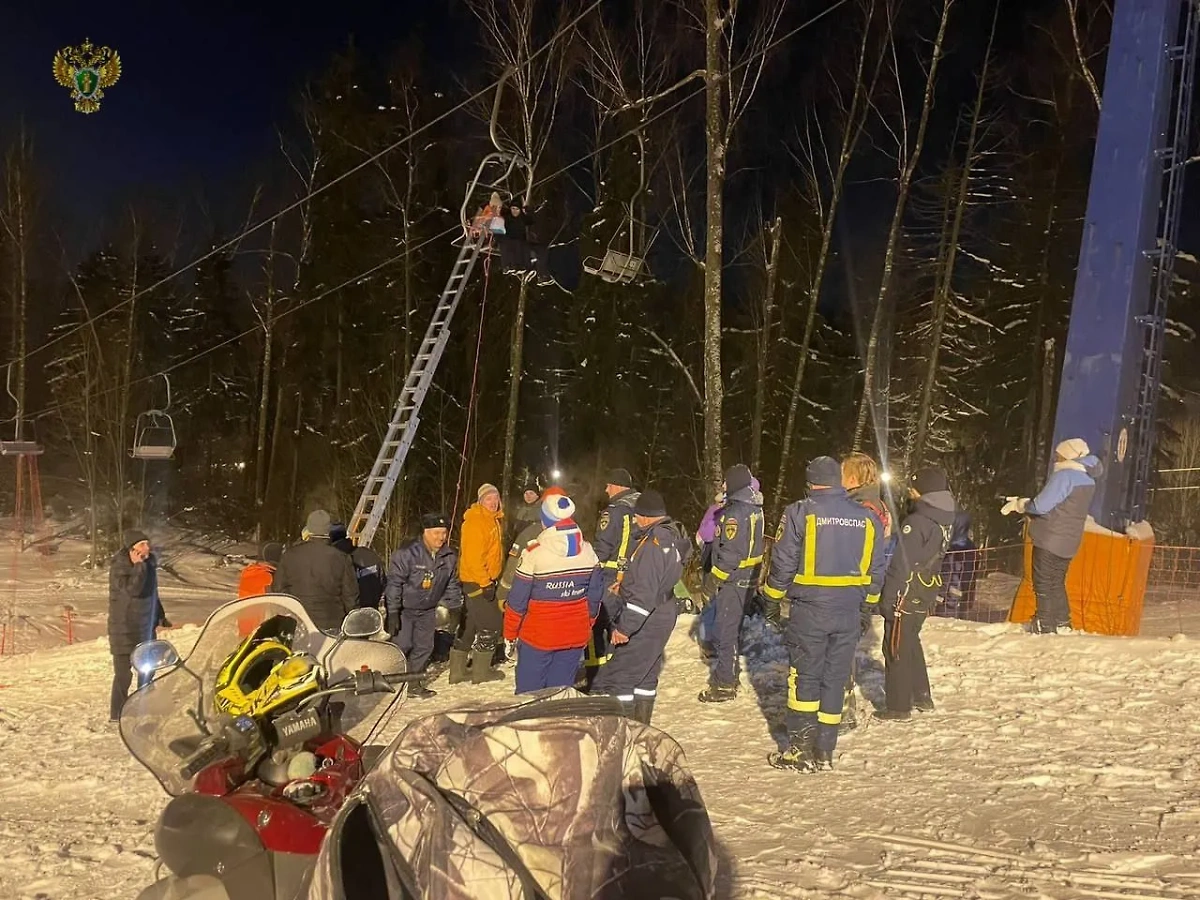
x: 648, y: 586
x: 133, y: 606
x: 322, y: 578
x: 923, y: 539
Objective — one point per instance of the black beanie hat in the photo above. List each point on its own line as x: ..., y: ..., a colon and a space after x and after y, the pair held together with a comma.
x: 930, y: 480
x: 271, y: 552
x: 824, y: 471
x: 650, y: 505
x: 620, y: 478
x: 133, y: 537
x: 736, y: 479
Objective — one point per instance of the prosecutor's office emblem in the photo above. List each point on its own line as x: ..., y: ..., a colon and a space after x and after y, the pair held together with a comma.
x: 730, y: 529
x: 86, y: 71
x: 779, y: 532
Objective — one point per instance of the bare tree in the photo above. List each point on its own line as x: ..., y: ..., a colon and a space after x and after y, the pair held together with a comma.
x: 945, y: 281
x: 1082, y: 57
x: 908, y: 156
x: 820, y: 164
x: 512, y: 32
x: 733, y: 66
x: 772, y: 242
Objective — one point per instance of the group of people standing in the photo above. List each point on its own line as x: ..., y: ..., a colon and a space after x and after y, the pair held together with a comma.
x: 599, y: 615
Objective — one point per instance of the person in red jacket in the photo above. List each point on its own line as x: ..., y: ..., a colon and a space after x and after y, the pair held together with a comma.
x: 257, y: 577
x: 554, y: 600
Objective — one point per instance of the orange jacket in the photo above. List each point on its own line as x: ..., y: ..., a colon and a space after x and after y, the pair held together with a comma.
x: 256, y: 580
x: 481, y: 559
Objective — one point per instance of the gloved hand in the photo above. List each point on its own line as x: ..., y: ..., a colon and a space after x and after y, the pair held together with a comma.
x: 393, y: 623
x: 772, y: 612
x: 1014, y: 505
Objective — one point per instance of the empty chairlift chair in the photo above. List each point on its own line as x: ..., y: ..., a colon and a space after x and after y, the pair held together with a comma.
x: 624, y: 259
x: 154, y: 433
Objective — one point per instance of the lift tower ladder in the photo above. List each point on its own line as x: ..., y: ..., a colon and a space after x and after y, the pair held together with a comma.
x: 1174, y: 157
x: 406, y: 415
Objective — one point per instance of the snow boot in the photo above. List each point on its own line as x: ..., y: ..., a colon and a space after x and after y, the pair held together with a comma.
x: 822, y: 760
x: 418, y: 691
x: 643, y: 709
x: 481, y: 667
x: 799, y: 756
x: 894, y: 715
x: 718, y: 693
x: 924, y: 704
x: 458, y: 666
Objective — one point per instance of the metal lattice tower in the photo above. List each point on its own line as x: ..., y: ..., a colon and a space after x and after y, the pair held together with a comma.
x: 1174, y: 157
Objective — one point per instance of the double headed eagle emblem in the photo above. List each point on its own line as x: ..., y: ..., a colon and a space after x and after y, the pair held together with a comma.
x: 86, y: 71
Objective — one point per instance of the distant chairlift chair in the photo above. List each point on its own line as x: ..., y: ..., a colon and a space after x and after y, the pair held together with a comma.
x: 17, y: 446
x: 154, y: 433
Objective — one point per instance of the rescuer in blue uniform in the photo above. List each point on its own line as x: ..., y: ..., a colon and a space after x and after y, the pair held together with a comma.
x: 737, y: 553
x: 828, y: 561
x: 616, y: 535
x: 422, y: 575
x: 643, y: 609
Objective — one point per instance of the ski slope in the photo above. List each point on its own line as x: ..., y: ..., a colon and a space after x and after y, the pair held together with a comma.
x: 1056, y: 767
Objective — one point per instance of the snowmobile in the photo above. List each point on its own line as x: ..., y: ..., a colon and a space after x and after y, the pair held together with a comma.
x: 257, y: 736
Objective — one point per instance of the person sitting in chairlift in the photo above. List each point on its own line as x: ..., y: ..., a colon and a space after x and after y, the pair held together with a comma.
x: 490, y: 216
x: 518, y: 255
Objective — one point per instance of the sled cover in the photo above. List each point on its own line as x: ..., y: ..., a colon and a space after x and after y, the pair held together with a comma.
x: 555, y: 798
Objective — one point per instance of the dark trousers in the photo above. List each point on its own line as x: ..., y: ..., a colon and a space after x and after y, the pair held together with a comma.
x: 821, y: 638
x: 634, y: 667
x: 1050, y: 589
x: 597, y: 651
x: 906, y: 678
x: 730, y: 604
x: 122, y: 679
x: 485, y: 622
x: 538, y: 669
x: 415, y: 640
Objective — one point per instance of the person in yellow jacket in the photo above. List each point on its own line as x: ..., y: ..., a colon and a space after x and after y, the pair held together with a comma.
x: 480, y: 562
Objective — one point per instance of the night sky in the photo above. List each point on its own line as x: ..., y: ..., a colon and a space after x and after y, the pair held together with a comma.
x: 203, y: 88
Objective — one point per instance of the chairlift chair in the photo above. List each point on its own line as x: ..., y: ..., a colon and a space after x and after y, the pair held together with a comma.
x: 154, y: 432
x: 17, y: 446
x: 624, y: 260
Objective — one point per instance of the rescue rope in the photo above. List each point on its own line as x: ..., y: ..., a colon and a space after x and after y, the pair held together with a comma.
x: 472, y: 400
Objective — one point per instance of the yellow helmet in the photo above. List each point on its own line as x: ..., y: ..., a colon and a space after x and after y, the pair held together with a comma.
x: 263, y: 675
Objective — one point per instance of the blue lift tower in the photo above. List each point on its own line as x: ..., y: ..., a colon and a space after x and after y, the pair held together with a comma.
x: 1112, y: 368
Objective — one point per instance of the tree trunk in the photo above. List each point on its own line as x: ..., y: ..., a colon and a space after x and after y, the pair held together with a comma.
x: 714, y: 131
x: 292, y: 502
x: 516, y: 359
x: 264, y: 395
x: 126, y: 384
x: 1033, y: 415
x: 1045, y: 423
x: 764, y: 342
x: 870, y: 401
x: 945, y: 292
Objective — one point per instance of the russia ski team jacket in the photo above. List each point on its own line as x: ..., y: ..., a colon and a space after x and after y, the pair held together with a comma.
x: 556, y: 591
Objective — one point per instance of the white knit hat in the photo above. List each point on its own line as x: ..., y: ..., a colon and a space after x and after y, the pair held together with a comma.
x: 556, y: 508
x: 1075, y: 448
x: 485, y: 489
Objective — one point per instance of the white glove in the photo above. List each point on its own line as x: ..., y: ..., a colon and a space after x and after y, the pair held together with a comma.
x: 1014, y: 505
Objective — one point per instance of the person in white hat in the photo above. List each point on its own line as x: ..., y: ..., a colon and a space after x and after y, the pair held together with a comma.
x: 1056, y: 519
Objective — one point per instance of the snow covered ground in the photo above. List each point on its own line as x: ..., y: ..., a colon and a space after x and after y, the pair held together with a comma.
x: 1057, y: 767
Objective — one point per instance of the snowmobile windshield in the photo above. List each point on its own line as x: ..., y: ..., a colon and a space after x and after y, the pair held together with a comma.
x: 164, y: 722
